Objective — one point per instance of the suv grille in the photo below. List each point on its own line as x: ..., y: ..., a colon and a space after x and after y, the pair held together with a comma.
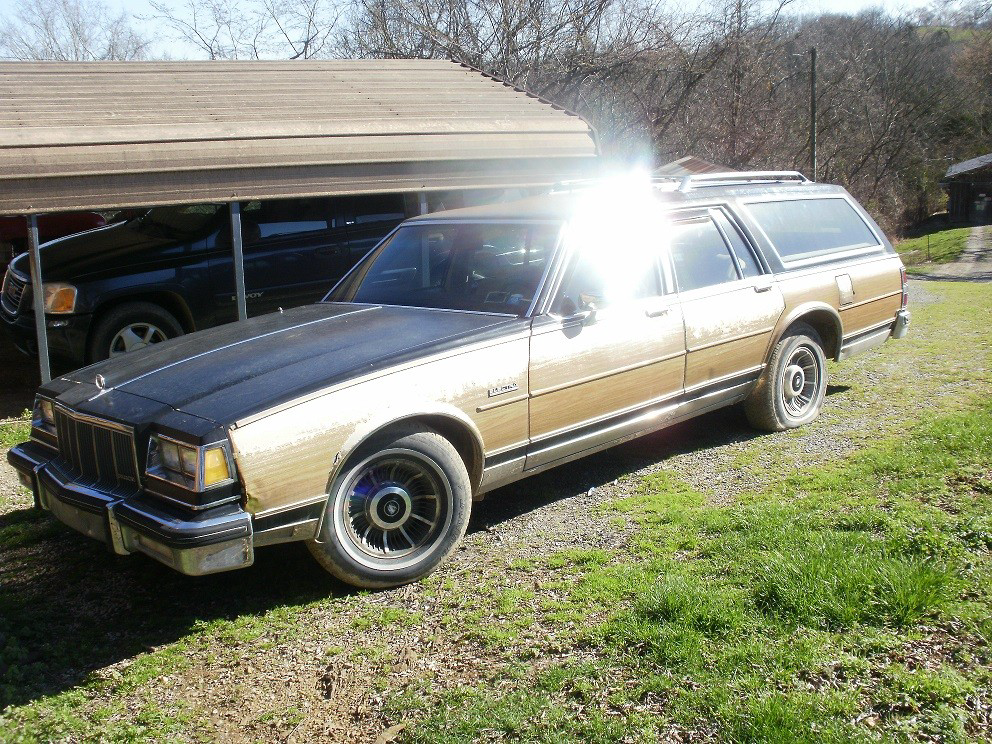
x: 13, y: 290
x: 96, y: 453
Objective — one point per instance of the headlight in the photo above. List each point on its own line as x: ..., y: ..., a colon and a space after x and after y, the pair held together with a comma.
x: 43, y: 417
x: 190, y: 466
x: 60, y: 299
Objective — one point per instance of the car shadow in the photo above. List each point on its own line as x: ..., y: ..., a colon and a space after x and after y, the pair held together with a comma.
x: 69, y: 608
x: 721, y: 427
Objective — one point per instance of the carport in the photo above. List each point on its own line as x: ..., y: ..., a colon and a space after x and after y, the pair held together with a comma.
x: 105, y: 135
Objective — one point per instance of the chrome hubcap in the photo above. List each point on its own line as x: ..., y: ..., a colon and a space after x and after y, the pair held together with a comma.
x: 800, y: 382
x: 135, y: 336
x: 395, y: 506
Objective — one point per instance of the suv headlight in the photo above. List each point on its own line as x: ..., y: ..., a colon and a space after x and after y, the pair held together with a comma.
x: 43, y: 416
x: 193, y: 467
x: 60, y: 298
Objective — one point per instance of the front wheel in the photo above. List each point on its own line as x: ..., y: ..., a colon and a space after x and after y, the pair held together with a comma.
x: 399, y: 508
x: 129, y: 327
x: 792, y: 387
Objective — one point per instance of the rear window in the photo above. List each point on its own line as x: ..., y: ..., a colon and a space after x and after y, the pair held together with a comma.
x: 810, y: 228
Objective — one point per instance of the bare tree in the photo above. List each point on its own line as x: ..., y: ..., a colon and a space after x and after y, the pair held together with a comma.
x: 253, y: 29
x: 70, y: 30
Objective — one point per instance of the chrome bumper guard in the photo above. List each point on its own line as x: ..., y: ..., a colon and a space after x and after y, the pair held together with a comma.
x: 901, y: 327
x: 192, y: 543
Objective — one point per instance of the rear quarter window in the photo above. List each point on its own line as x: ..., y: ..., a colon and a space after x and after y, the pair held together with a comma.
x: 801, y: 229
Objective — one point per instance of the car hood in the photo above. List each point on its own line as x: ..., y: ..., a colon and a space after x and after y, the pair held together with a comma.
x: 232, y: 371
x: 104, y: 248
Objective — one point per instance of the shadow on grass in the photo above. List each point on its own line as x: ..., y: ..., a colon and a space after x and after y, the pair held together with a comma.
x: 69, y: 607
x: 725, y: 426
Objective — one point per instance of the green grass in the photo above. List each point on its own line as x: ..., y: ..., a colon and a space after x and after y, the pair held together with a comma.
x: 940, y: 246
x: 15, y: 431
x: 785, y: 617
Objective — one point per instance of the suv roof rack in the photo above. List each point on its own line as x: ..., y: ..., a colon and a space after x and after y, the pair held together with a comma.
x: 742, y: 178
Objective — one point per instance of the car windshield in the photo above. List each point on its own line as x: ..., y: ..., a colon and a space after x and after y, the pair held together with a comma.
x: 478, y: 267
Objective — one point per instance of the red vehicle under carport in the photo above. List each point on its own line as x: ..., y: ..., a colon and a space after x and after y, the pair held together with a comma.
x: 14, y: 230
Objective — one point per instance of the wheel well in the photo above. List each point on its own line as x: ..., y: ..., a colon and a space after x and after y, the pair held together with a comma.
x: 461, y: 438
x: 169, y: 301
x: 827, y: 325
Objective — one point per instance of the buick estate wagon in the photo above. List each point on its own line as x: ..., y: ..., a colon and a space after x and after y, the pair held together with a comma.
x: 467, y: 350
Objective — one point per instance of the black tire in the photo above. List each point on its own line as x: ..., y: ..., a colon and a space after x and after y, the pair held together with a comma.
x: 791, y: 389
x: 383, y: 494
x: 149, y: 322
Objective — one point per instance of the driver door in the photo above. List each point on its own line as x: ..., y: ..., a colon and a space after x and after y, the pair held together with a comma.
x: 606, y: 358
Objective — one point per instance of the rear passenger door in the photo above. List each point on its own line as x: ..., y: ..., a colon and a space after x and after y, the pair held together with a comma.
x: 729, y: 302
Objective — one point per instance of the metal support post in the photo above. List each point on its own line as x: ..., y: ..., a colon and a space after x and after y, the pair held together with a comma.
x: 812, y: 111
x: 423, y: 202
x: 239, y: 260
x: 38, y: 300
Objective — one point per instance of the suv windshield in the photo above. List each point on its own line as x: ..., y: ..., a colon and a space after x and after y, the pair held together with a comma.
x: 479, y: 267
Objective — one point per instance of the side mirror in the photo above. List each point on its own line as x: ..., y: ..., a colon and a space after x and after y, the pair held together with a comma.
x: 575, y: 317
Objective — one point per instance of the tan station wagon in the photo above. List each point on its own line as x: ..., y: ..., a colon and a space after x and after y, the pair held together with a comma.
x: 467, y: 350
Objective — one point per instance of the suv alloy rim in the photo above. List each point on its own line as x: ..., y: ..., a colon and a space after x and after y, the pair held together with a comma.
x: 135, y: 336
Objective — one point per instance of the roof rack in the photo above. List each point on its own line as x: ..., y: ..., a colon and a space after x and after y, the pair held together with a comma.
x: 743, y: 178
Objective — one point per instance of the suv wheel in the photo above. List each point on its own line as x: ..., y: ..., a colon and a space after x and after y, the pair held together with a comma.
x: 398, y: 509
x: 791, y: 389
x: 129, y: 327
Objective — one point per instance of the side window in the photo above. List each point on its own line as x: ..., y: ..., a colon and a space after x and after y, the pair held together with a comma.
x: 599, y: 278
x: 700, y: 256
x: 362, y: 210
x: 283, y: 218
x: 746, y: 260
x: 809, y: 228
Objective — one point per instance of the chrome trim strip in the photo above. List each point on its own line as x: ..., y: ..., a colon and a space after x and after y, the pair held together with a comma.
x: 276, y: 510
x: 501, y: 403
x: 742, y: 337
x: 870, y: 300
x: 726, y: 378
x: 603, y: 375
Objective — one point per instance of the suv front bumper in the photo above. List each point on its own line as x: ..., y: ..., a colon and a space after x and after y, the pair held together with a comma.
x: 214, y: 540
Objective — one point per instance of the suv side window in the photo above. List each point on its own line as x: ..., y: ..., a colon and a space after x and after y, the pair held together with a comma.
x: 361, y: 210
x: 284, y: 218
x: 700, y: 255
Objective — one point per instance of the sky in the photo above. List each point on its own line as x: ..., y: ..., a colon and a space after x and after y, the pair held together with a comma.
x: 178, y: 50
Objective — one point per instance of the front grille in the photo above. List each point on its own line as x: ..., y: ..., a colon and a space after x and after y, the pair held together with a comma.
x: 13, y: 290
x: 96, y: 453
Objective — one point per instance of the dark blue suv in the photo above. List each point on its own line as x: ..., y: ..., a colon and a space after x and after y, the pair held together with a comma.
x: 169, y: 271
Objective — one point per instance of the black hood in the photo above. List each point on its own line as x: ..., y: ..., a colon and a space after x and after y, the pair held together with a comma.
x: 105, y: 250
x: 232, y: 371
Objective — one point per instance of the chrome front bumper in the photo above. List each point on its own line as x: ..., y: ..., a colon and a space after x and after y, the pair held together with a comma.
x: 195, y: 544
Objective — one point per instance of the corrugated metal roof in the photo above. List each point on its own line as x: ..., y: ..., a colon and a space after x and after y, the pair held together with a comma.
x: 690, y: 165
x: 969, y: 165
x: 113, y: 134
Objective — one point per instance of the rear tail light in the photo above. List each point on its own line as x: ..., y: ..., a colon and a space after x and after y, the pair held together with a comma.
x: 905, y: 287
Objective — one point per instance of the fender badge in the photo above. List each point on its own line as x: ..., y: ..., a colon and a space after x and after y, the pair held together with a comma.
x: 493, y: 392
x: 100, y: 382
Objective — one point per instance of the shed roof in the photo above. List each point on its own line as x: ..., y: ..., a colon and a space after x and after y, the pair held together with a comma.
x: 113, y: 134
x: 969, y: 166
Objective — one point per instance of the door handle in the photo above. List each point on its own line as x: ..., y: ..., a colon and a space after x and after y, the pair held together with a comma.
x: 762, y: 287
x: 657, y: 312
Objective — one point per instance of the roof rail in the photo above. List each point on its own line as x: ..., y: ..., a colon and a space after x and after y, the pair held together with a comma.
x: 576, y: 184
x: 743, y: 178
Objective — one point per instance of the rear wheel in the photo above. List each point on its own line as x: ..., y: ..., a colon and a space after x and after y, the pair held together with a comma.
x: 792, y: 387
x: 129, y: 327
x: 399, y: 509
